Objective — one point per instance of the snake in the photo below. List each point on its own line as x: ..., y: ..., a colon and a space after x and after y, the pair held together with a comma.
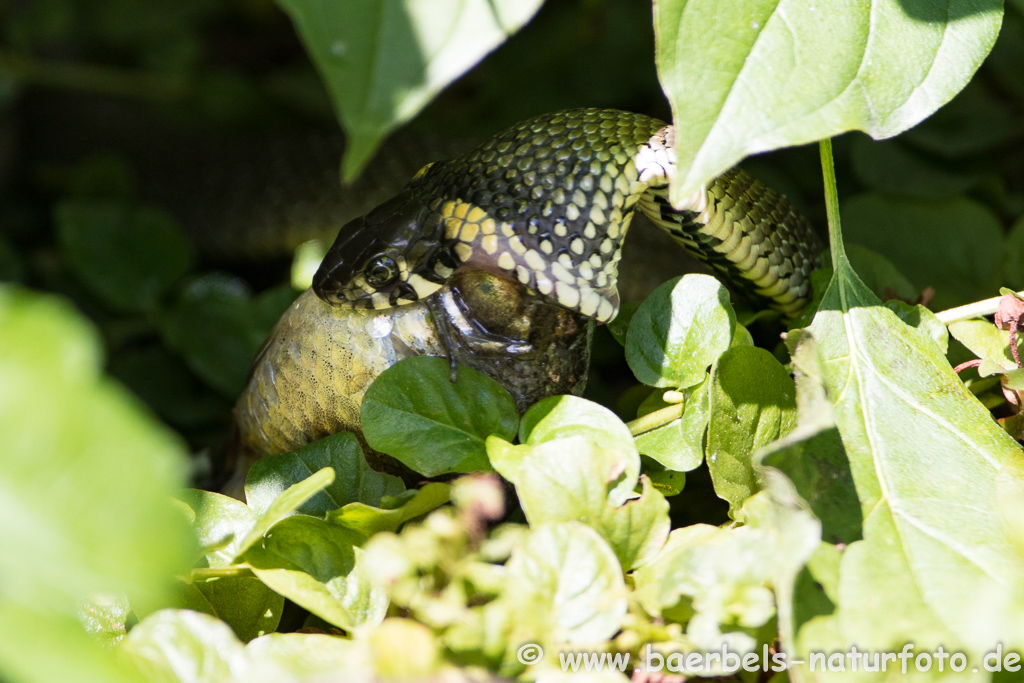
x: 548, y: 202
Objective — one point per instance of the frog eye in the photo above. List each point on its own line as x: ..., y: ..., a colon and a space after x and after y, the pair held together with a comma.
x: 381, y: 271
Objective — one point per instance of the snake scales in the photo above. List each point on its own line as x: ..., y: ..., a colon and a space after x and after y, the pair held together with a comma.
x: 499, y: 257
x: 548, y: 203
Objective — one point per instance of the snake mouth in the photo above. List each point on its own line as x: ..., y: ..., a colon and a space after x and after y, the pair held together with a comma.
x: 359, y: 294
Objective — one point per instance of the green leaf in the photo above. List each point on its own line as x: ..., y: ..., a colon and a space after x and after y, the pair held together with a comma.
x: 667, y: 482
x: 355, y: 480
x: 220, y: 524
x: 782, y: 516
x: 679, y: 445
x: 564, y: 579
x: 182, y: 646
x: 758, y: 81
x: 985, y: 340
x: 285, y: 505
x: 217, y: 327
x: 561, y: 417
x: 128, y: 256
x: 383, y: 61
x: 682, y: 327
x: 720, y: 579
x: 977, y: 120
x: 924, y: 455
x: 955, y: 246
x: 307, y: 656
x: 812, y: 455
x: 414, y: 412
x: 752, y: 403
x: 570, y: 479
x: 920, y: 317
x: 244, y: 603
x: 86, y: 474
x: 368, y: 520
x: 316, y: 565
x: 166, y: 384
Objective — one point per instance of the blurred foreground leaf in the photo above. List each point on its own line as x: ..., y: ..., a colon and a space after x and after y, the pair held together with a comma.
x: 85, y: 484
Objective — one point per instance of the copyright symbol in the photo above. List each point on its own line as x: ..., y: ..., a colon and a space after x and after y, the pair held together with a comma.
x: 530, y: 653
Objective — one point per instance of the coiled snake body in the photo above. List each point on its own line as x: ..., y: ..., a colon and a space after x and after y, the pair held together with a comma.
x: 548, y: 202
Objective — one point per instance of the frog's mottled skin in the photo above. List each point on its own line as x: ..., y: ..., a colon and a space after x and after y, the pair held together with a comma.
x: 310, y: 378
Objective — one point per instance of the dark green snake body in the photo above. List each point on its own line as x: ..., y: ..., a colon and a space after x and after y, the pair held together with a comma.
x: 548, y: 203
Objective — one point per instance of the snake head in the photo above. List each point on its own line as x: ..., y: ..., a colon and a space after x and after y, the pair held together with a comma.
x: 386, y: 258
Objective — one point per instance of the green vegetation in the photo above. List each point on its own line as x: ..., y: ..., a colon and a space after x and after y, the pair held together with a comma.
x: 716, y: 487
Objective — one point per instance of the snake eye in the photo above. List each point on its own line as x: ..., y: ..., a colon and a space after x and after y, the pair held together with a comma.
x: 381, y: 271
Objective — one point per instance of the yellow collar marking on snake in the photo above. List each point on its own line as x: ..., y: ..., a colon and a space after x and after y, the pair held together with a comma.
x: 548, y: 203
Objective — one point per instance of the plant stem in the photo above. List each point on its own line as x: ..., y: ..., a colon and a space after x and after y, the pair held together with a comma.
x: 835, y: 231
x: 217, y: 573
x: 978, y: 309
x: 651, y: 421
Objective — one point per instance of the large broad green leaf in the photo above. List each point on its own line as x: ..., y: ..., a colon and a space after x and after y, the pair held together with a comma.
x: 354, y: 481
x: 879, y: 273
x: 316, y: 565
x: 756, y: 75
x: 924, y: 456
x: 85, y: 483
x: 682, y: 327
x: 384, y: 60
x: 27, y: 653
x: 955, y: 246
x: 753, y: 402
x: 571, y: 479
x: 414, y: 412
x: 128, y: 256
x: 307, y: 656
x: 566, y: 579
